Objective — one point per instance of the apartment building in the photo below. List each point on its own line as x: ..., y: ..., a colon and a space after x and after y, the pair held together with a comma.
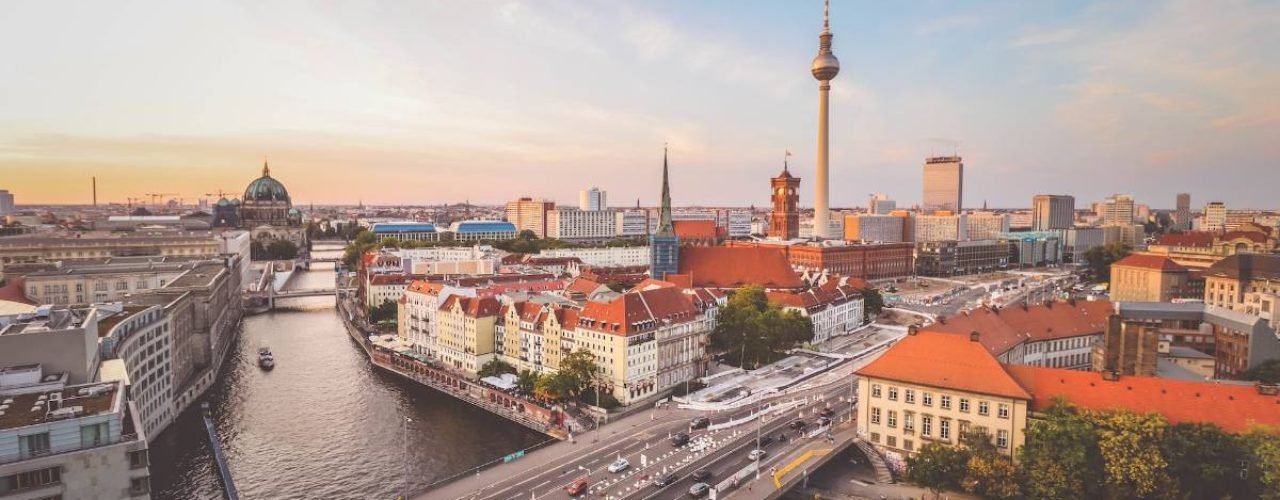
x: 604, y: 256
x: 104, y: 280
x: 833, y: 308
x: 582, y: 225
x: 1054, y: 334
x: 528, y: 214
x: 1150, y: 278
x: 465, y: 332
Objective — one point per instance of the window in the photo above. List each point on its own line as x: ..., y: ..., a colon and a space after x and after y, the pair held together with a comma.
x: 908, y: 422
x: 93, y: 435
x: 1002, y: 438
x: 984, y: 408
x: 911, y: 396
x: 122, y: 285
x: 964, y: 428
x: 926, y: 399
x: 926, y: 425
x: 30, y: 479
x: 893, y: 418
x: 34, y: 445
x: 944, y: 429
x: 893, y: 393
x: 890, y: 441
x: 908, y: 445
x: 100, y: 286
x: 875, y: 390
x: 138, y: 459
x: 139, y: 485
x: 964, y: 405
x: 875, y: 415
x: 875, y: 437
x: 945, y: 402
x: 1002, y: 410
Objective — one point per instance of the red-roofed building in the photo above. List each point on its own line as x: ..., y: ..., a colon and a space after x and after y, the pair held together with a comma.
x: 935, y: 387
x: 648, y: 341
x: 1151, y: 278
x: 1201, y: 249
x: 868, y: 261
x: 702, y: 233
x: 465, y: 332
x: 735, y: 267
x: 1055, y: 334
x: 834, y: 309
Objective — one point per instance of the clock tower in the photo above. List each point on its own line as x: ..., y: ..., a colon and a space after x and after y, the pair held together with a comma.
x: 784, y: 220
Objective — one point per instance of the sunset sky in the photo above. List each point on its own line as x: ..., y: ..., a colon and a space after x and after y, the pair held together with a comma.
x: 444, y: 101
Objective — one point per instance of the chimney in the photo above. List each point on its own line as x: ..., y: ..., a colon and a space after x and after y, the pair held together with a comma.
x: 1269, y: 389
x: 1111, y: 375
x: 973, y: 336
x: 913, y: 329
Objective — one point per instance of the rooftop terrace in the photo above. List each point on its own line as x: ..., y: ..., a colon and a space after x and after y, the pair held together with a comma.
x: 71, y: 402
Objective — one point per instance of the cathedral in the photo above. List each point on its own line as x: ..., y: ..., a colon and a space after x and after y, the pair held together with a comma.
x: 266, y: 211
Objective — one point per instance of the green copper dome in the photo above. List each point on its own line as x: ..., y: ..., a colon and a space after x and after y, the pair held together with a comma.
x: 266, y: 188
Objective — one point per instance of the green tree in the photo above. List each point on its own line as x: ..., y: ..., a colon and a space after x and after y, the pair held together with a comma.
x: 1061, y: 458
x: 1129, y: 443
x: 526, y: 381
x: 526, y: 235
x: 579, y: 368
x: 1267, y: 372
x: 495, y: 367
x: 1205, y: 461
x: 872, y: 302
x: 1099, y: 259
x: 1263, y: 444
x: 553, y: 386
x: 988, y: 473
x: 937, y: 467
x: 755, y: 329
x: 386, y: 311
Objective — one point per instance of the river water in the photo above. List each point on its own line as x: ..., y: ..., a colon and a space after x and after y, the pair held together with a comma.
x: 324, y: 423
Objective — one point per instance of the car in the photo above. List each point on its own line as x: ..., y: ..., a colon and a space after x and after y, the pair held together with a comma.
x: 824, y: 421
x: 680, y: 439
x: 619, y: 465
x: 702, y: 474
x: 576, y: 488
x: 764, y: 441
x: 797, y: 425
x: 827, y: 412
x: 698, y: 490
x: 700, y: 423
x: 665, y: 479
x: 756, y: 455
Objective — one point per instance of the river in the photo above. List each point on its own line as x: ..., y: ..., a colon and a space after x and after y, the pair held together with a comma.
x: 324, y: 423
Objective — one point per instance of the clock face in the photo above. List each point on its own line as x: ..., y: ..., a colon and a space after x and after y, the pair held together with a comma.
x: 782, y: 191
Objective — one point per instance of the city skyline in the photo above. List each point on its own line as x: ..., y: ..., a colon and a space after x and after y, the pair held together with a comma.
x: 1037, y: 99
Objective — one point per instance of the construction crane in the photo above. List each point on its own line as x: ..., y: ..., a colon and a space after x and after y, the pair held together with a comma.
x: 221, y: 193
x: 157, y: 196
x: 131, y: 199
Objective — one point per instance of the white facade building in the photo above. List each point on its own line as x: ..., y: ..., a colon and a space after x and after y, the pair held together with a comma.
x: 593, y: 199
x: 631, y: 222
x: 604, y: 257
x: 930, y: 228
x: 985, y: 225
x: 581, y: 225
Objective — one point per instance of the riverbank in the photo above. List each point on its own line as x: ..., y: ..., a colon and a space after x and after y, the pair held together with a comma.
x: 411, y: 366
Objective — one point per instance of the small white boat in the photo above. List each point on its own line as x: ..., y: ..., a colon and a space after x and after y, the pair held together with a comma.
x: 265, y: 360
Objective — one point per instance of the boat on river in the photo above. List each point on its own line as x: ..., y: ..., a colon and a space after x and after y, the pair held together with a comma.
x: 265, y: 360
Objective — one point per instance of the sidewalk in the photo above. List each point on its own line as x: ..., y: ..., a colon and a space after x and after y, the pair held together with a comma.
x: 546, y: 458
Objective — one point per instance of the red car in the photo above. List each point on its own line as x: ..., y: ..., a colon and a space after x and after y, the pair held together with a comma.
x: 576, y: 488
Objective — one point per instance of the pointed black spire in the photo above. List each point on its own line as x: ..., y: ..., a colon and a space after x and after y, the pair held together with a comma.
x: 664, y: 214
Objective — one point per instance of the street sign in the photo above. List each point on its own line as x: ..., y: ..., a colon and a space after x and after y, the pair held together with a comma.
x: 509, y: 458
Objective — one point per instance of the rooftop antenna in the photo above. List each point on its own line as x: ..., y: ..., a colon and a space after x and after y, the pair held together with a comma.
x: 95, y: 190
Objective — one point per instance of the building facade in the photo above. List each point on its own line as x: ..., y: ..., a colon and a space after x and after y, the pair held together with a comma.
x: 943, y: 184
x: 1182, y: 212
x: 940, y: 227
x: 985, y: 225
x: 959, y: 258
x: 1052, y: 211
x: 582, y: 225
x: 873, y: 228
x: 784, y: 219
x: 593, y: 200
x: 529, y: 214
x: 1215, y: 217
x: 1149, y: 278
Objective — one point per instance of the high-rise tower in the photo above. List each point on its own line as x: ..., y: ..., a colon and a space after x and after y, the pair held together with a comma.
x: 664, y: 245
x: 943, y: 184
x: 784, y: 220
x: 825, y: 67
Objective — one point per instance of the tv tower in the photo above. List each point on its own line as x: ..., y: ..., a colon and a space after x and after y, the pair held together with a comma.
x: 825, y: 68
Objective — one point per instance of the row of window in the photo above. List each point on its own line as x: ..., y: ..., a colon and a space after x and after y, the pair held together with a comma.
x: 1002, y: 441
x: 30, y: 480
x: 926, y: 399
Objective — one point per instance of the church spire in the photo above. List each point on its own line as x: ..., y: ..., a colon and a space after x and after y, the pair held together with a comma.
x: 664, y: 214
x: 266, y: 171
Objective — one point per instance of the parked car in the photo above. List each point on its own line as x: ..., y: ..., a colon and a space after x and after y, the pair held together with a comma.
x: 824, y: 421
x: 576, y: 488
x: 680, y: 439
x: 699, y: 490
x: 827, y: 412
x: 764, y: 441
x: 700, y: 423
x: 702, y: 474
x: 663, y: 480
x: 798, y: 424
x: 619, y: 465
x: 756, y: 455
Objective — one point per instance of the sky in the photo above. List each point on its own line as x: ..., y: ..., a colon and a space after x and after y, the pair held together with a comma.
x: 423, y: 102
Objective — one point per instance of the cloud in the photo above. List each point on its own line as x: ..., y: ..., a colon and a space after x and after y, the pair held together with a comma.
x: 1045, y: 37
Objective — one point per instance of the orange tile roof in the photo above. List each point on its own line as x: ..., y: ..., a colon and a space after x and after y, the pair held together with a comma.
x: 735, y: 267
x: 475, y: 307
x: 14, y: 291
x: 638, y: 312
x: 1234, y: 408
x: 1003, y: 329
x: 651, y: 283
x: 1189, y: 239
x: 695, y: 229
x: 582, y: 285
x: 1156, y: 262
x: 946, y: 361
x: 429, y: 288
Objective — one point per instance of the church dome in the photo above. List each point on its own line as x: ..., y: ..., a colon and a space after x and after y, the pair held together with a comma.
x: 266, y: 188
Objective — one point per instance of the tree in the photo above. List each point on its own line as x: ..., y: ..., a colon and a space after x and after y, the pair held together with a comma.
x: 872, y: 302
x: 1129, y: 443
x: 526, y: 381
x: 1267, y: 372
x: 1263, y: 445
x: 527, y: 234
x: 937, y: 467
x: 988, y: 473
x: 495, y: 367
x: 1099, y: 259
x: 386, y: 311
x: 579, y: 369
x: 281, y: 250
x: 1204, y: 460
x: 1061, y: 458
x: 553, y: 386
x: 755, y: 329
